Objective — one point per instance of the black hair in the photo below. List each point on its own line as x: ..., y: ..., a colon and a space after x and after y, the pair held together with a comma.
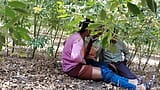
x: 84, y: 25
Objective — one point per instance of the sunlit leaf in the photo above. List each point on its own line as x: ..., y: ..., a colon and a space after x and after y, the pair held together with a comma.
x: 114, y: 5
x: 17, y: 4
x: 63, y: 16
x: 9, y: 12
x: 94, y: 25
x: 60, y: 3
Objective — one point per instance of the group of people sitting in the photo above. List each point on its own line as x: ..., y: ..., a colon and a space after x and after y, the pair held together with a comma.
x: 79, y: 59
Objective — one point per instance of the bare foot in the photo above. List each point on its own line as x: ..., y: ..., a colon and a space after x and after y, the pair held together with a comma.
x: 141, y: 87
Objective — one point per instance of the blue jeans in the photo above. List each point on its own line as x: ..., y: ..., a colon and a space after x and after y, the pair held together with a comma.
x: 124, y: 71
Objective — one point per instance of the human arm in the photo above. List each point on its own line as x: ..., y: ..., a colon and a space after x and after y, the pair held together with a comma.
x: 76, y: 52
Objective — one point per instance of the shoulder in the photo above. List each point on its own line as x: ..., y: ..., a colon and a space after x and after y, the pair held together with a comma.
x: 77, y: 38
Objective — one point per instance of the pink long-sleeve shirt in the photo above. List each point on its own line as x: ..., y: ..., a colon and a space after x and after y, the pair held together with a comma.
x: 72, y: 52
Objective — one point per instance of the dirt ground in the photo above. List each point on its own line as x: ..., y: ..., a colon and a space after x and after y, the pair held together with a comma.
x: 42, y: 73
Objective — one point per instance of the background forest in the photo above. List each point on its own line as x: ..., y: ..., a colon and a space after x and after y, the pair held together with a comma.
x: 32, y: 33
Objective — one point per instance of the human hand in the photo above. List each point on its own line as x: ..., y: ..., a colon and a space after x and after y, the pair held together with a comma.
x: 83, y: 61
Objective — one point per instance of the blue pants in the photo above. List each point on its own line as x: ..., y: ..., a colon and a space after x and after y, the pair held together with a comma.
x: 124, y: 71
x: 109, y: 76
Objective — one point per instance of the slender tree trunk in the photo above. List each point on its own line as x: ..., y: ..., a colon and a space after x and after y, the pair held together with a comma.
x: 35, y: 25
x: 133, y: 55
x: 7, y: 47
x: 149, y: 54
x: 13, y: 46
x: 55, y: 36
x: 33, y: 53
x: 39, y: 28
x: 59, y: 43
x: 140, y: 58
x: 35, y: 28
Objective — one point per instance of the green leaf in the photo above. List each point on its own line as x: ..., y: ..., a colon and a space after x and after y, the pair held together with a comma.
x: 60, y: 3
x: 63, y: 16
x: 12, y: 22
x: 15, y: 35
x: 133, y: 8
x: 23, y: 33
x: 104, y: 42
x: 152, y: 5
x: 114, y: 5
x: 2, y: 11
x: 135, y: 33
x: 143, y: 3
x: 106, y: 39
x: 94, y: 25
x: 103, y: 14
x: 17, y: 4
x: 90, y: 3
x: 22, y: 11
x: 9, y: 12
x: 112, y: 47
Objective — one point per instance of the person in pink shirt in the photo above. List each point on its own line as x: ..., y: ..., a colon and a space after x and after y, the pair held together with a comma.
x: 74, y: 63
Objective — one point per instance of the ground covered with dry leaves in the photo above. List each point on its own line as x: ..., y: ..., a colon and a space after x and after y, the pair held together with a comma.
x: 41, y: 74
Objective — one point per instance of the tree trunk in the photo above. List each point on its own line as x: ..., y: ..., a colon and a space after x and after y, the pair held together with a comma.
x: 59, y: 43
x: 133, y: 55
x: 35, y: 27
x: 7, y: 47
x: 13, y: 46
x: 33, y: 53
x: 55, y: 36
x: 149, y: 51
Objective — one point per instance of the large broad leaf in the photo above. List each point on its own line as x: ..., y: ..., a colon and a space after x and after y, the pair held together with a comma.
x: 152, y: 5
x: 23, y: 33
x: 9, y: 12
x: 17, y: 4
x: 133, y: 8
x: 106, y: 39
